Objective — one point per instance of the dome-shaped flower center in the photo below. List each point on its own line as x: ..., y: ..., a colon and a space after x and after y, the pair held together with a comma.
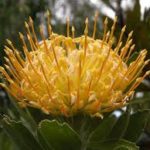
x: 66, y: 78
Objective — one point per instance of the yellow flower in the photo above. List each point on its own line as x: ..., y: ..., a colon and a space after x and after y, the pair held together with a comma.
x: 67, y: 75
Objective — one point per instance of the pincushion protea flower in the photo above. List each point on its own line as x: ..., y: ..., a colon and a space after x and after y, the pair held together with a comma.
x: 65, y: 75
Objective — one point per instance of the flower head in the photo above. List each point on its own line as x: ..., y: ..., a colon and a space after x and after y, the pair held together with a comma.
x: 65, y: 75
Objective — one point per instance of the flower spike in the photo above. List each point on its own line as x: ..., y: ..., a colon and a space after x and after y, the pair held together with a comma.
x: 67, y: 75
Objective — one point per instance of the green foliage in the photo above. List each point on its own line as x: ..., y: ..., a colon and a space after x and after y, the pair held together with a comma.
x: 20, y: 135
x: 114, y: 145
x: 137, y: 122
x: 6, y: 143
x: 120, y: 127
x: 58, y: 136
x: 103, y: 130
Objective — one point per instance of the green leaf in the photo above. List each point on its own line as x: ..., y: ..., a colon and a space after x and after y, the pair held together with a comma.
x: 136, y: 125
x: 26, y: 117
x: 58, y: 136
x: 121, y: 125
x: 114, y: 145
x: 103, y: 130
x: 20, y: 135
x: 6, y: 143
x: 125, y: 145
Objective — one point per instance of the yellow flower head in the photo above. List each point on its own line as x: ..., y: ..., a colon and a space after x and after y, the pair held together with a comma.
x: 67, y: 75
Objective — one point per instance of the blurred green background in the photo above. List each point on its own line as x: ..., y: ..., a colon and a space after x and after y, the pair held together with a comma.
x: 13, y: 13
